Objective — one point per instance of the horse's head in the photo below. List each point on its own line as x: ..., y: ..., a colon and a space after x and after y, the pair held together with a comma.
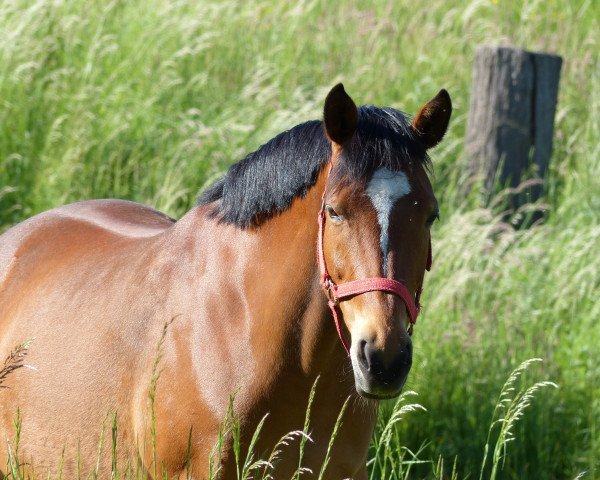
x: 378, y: 209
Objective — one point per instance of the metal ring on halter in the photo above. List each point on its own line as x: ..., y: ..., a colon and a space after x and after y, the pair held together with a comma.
x: 330, y: 292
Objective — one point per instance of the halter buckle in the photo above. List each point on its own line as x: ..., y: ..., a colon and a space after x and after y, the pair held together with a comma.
x: 330, y: 292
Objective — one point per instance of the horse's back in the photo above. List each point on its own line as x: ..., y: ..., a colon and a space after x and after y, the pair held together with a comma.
x: 76, y: 223
x: 121, y: 217
x: 62, y: 252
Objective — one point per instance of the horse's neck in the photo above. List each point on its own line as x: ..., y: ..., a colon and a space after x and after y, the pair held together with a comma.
x: 295, y: 322
x: 276, y: 267
x: 300, y: 304
x: 279, y: 330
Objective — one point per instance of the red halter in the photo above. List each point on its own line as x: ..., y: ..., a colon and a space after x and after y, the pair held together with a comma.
x: 335, y: 292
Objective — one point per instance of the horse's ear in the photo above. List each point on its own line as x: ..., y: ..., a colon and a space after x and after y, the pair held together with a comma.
x: 339, y: 115
x: 431, y: 122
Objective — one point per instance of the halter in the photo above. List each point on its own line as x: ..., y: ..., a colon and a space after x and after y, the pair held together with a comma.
x: 336, y: 293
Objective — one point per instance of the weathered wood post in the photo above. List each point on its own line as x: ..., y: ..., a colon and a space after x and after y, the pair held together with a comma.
x: 511, y: 117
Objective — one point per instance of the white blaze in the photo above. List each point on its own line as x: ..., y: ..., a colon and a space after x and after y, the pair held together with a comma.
x: 384, y: 189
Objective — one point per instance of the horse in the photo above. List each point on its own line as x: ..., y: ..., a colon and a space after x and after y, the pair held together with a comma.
x: 305, y: 261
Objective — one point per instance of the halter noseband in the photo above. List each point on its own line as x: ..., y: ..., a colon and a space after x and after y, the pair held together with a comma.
x: 335, y: 292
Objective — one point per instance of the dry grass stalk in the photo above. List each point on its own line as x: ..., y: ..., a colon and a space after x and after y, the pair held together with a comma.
x: 14, y: 361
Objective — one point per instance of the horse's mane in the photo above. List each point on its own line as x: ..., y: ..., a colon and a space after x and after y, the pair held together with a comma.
x: 265, y: 182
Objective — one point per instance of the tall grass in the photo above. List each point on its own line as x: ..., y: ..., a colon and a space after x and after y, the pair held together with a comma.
x: 387, y: 462
x: 510, y: 408
x: 150, y: 100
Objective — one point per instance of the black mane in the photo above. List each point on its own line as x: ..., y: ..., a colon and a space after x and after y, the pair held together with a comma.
x: 265, y: 182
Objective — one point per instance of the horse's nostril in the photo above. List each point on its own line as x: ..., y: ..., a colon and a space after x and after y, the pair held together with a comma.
x: 372, y: 357
x: 362, y: 354
x: 385, y: 366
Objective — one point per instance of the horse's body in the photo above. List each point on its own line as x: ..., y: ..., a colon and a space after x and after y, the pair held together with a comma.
x: 100, y: 362
x: 94, y: 284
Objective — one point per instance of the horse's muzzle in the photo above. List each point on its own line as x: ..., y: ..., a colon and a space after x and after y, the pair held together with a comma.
x: 381, y: 374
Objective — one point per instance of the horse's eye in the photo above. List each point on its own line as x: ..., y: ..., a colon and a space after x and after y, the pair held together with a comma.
x: 433, y: 217
x: 333, y: 214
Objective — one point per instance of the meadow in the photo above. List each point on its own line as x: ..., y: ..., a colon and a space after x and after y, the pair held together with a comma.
x: 151, y: 100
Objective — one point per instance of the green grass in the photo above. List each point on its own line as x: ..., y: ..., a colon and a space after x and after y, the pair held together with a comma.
x: 150, y: 100
x: 388, y: 459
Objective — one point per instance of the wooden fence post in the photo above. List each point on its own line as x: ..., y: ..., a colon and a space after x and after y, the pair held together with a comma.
x: 511, y: 116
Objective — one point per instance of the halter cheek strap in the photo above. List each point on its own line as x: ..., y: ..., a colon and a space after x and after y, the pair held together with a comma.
x: 336, y: 293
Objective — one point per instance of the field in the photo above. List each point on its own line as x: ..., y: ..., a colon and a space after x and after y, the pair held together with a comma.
x: 151, y: 100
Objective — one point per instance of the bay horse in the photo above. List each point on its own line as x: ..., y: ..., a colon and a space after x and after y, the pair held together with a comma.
x: 326, y: 227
